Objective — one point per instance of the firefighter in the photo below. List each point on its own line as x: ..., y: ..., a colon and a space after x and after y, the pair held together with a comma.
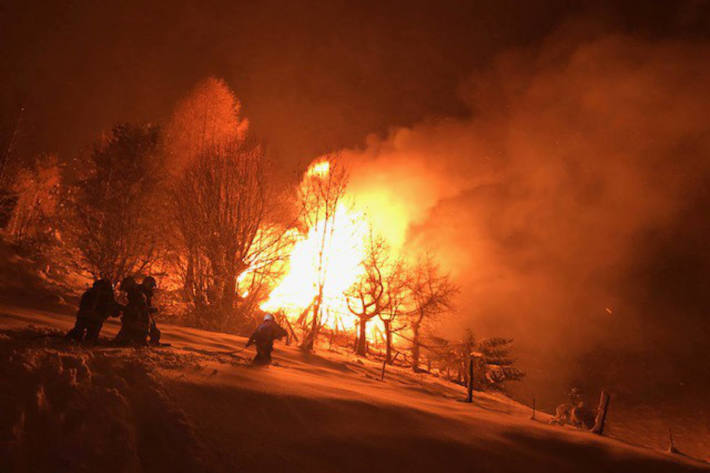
x: 148, y: 286
x: 136, y: 316
x: 96, y: 305
x: 264, y: 337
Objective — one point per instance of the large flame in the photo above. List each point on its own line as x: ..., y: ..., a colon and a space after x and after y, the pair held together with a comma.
x: 344, y: 248
x: 343, y: 252
x: 319, y: 169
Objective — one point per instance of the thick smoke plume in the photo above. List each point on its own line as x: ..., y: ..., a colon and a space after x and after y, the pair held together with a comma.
x: 571, y: 207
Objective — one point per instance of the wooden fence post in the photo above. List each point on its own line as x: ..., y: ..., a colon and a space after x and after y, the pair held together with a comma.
x: 671, y: 444
x: 601, y: 414
x: 469, y: 397
x: 384, y: 365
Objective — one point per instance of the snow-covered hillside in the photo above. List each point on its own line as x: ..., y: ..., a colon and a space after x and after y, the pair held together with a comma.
x: 199, y: 406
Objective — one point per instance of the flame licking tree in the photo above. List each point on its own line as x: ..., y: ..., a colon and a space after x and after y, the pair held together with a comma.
x: 321, y: 193
x: 224, y: 209
x: 369, y: 297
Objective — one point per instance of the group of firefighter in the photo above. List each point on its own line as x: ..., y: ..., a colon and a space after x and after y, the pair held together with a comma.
x: 138, y: 325
x: 98, y: 303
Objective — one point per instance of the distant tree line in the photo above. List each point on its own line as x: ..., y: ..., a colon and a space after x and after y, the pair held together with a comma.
x: 189, y: 199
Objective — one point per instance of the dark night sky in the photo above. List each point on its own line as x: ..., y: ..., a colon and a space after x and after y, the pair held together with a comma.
x: 313, y: 76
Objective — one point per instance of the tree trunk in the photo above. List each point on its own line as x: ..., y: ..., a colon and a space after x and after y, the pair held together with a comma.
x: 469, y: 396
x: 188, y: 284
x: 601, y: 413
x: 415, y: 347
x: 362, y: 338
x: 310, y: 339
x: 228, y: 291
x: 388, y: 342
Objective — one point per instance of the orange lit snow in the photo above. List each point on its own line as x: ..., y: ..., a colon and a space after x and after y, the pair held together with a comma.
x: 197, y: 406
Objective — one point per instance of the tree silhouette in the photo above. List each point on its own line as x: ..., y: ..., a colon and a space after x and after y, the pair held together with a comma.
x: 110, y: 206
x: 223, y: 209
x: 368, y: 297
x: 321, y: 192
x: 431, y: 294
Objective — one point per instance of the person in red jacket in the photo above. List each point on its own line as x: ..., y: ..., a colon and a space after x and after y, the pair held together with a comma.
x: 264, y: 337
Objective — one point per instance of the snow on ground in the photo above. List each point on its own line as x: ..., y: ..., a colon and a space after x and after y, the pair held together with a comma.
x: 199, y: 406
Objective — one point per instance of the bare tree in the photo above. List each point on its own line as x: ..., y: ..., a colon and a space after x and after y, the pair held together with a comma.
x: 368, y: 297
x: 205, y: 121
x: 321, y: 191
x: 229, y: 244
x: 222, y: 207
x: 396, y: 309
x: 431, y: 294
x: 37, y: 190
x: 268, y: 259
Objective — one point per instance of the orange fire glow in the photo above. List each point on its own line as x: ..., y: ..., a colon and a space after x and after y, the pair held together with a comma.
x: 344, y: 249
x: 343, y: 253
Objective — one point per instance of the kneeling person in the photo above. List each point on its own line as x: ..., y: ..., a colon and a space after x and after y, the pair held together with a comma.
x: 96, y: 305
x: 264, y: 337
x: 148, y: 286
x: 136, y: 315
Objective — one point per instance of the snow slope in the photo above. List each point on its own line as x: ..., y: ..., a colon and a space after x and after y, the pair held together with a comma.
x: 199, y: 406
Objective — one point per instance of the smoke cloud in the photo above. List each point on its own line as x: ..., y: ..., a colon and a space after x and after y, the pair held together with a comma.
x: 571, y: 207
